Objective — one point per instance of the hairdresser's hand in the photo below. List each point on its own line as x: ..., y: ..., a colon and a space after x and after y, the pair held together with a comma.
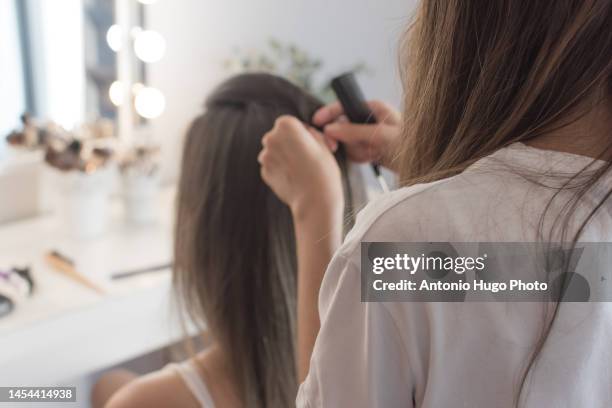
x: 299, y: 167
x: 364, y: 143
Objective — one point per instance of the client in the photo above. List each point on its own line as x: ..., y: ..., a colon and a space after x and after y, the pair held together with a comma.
x: 235, y: 260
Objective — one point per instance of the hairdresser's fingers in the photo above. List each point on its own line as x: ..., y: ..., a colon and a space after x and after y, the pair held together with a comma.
x: 289, y: 124
x: 270, y: 149
x: 272, y: 157
x: 328, y: 142
x: 282, y: 134
x: 363, y: 154
x: 351, y: 133
x: 267, y: 176
x: 265, y: 139
x: 288, y: 132
x: 276, y: 177
x: 263, y: 157
x: 332, y: 144
x: 365, y: 142
x: 269, y: 168
x: 384, y: 112
x: 270, y: 138
x: 327, y: 114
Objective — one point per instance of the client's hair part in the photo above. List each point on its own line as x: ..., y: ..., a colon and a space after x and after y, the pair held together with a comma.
x: 234, y: 253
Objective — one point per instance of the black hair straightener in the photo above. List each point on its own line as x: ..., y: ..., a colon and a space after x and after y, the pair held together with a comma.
x: 356, y: 110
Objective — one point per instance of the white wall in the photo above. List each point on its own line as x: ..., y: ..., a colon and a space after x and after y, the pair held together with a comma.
x: 201, y: 33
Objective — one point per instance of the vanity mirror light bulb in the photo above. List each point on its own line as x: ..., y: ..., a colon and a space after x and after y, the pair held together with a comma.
x: 149, y: 46
x: 150, y: 102
x: 116, y: 93
x: 113, y: 37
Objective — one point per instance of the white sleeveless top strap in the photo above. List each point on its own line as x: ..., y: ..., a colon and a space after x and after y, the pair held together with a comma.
x: 188, y: 371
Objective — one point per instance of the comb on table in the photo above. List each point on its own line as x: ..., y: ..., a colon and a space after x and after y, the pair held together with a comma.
x: 64, y: 265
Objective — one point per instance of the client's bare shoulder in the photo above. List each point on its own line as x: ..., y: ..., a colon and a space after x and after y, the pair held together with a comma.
x: 166, y: 388
x: 163, y: 388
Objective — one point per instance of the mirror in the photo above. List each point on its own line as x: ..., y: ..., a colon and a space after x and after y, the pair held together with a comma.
x: 61, y: 62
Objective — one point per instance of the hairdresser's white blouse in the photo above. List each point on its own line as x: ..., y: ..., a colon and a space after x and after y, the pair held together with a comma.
x: 458, y: 354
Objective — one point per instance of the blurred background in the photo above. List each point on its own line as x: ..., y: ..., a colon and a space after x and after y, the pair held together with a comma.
x: 95, y: 97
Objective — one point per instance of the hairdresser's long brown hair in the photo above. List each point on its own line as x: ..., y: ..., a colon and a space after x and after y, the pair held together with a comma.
x: 484, y: 74
x: 234, y: 252
x: 480, y: 75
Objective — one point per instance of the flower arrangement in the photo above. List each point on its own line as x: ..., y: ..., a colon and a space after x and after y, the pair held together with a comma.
x: 86, y: 149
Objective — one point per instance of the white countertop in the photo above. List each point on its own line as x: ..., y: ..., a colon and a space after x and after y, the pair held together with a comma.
x: 66, y: 330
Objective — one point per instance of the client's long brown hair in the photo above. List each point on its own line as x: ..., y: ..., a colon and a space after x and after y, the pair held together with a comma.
x: 234, y: 252
x: 480, y: 75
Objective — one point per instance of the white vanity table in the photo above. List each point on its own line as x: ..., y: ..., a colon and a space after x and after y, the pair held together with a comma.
x: 65, y: 330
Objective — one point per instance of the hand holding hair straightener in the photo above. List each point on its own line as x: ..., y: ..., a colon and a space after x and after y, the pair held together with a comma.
x: 367, y: 129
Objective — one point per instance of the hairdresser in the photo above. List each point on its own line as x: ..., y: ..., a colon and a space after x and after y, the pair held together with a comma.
x: 506, y: 136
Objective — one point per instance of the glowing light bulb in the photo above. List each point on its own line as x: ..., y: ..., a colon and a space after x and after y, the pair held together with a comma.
x: 113, y: 37
x: 150, y: 102
x: 116, y: 93
x: 149, y: 46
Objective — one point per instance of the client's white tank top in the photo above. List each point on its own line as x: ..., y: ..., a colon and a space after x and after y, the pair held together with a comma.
x: 188, y: 372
